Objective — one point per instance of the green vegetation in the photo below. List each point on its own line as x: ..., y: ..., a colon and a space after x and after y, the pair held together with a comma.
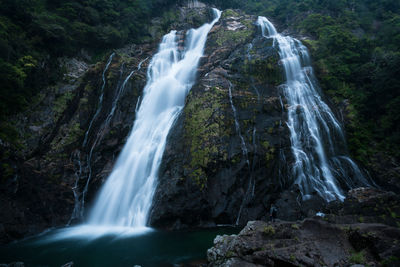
x: 204, y: 142
x: 34, y: 33
x: 269, y: 230
x: 390, y: 261
x: 295, y: 226
x: 235, y: 37
x: 265, y: 70
x: 355, y: 46
x: 358, y: 257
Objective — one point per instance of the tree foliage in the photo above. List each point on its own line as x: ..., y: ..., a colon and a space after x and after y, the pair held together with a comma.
x: 43, y: 30
x: 355, y: 45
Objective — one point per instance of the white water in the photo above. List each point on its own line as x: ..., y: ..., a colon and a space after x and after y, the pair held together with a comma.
x: 237, y: 127
x: 125, y: 199
x: 317, y: 139
x: 121, y: 91
x: 195, y: 4
x: 79, y: 198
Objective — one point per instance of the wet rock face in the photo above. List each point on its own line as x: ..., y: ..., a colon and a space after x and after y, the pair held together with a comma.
x: 13, y: 264
x: 69, y: 134
x: 224, y: 162
x: 366, y: 205
x: 54, y: 160
x: 311, y: 242
x: 338, y: 238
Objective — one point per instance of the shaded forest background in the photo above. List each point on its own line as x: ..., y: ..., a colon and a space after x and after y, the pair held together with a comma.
x: 355, y: 45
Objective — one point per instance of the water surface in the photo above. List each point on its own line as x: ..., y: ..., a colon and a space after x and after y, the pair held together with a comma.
x: 145, y: 248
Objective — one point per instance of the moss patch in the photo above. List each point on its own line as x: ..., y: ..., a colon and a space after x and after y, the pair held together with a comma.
x: 358, y: 257
x: 60, y: 104
x: 205, y: 127
x: 237, y: 37
x: 265, y: 70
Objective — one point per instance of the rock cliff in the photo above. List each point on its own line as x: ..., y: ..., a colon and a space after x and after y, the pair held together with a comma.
x: 227, y: 156
x: 338, y: 238
x: 73, y: 131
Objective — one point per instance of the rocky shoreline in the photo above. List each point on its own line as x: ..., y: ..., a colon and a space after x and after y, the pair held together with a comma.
x: 362, y: 232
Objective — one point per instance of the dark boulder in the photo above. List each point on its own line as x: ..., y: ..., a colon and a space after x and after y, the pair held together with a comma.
x: 312, y: 242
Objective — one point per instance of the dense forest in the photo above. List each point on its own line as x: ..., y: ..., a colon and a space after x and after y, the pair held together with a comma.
x: 354, y: 44
x: 34, y: 33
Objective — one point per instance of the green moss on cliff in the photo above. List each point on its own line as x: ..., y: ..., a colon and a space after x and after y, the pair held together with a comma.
x: 229, y: 13
x: 204, y: 129
x: 61, y: 103
x: 241, y: 35
x: 265, y: 70
x: 269, y: 151
x: 74, y: 133
x: 234, y: 37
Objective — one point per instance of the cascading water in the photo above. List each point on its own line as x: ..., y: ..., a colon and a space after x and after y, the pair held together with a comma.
x: 79, y: 197
x: 100, y: 100
x: 121, y: 91
x: 249, y: 58
x: 237, y: 126
x: 250, y: 191
x: 76, y: 156
x: 125, y: 199
x: 76, y: 213
x: 194, y: 4
x: 103, y: 126
x: 318, y: 143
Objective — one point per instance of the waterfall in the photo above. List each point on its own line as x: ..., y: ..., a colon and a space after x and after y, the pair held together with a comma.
x: 195, y: 4
x: 317, y: 138
x: 105, y: 124
x: 125, y: 198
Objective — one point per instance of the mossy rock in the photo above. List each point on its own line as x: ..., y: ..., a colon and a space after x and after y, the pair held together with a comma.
x: 205, y: 125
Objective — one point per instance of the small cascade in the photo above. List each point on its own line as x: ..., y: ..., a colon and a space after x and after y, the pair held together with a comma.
x: 125, y: 198
x: 237, y: 126
x: 77, y: 211
x: 249, y: 58
x: 100, y: 104
x: 318, y: 143
x: 249, y: 47
x: 137, y: 104
x: 195, y: 4
x: 250, y: 189
x: 98, y: 137
x: 254, y: 162
x: 121, y: 91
